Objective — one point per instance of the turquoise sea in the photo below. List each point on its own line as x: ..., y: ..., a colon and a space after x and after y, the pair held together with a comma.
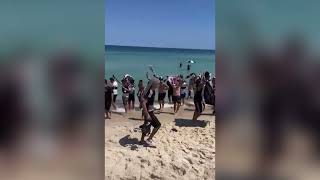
x: 121, y: 60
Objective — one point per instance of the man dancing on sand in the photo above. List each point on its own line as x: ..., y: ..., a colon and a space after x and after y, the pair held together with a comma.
x: 204, y: 94
x: 198, y: 98
x: 148, y: 110
x: 176, y: 98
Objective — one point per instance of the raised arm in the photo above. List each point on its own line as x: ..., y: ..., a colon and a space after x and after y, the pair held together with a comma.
x: 154, y: 75
x: 188, y: 76
x: 147, y: 74
x: 114, y: 77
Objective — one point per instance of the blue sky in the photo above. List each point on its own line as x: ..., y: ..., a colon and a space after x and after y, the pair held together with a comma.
x: 160, y: 23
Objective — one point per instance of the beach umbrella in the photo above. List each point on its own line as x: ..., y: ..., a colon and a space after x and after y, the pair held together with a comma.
x: 191, y: 62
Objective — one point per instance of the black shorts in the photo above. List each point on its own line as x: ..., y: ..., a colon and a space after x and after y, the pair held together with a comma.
x: 199, y: 106
x: 115, y: 97
x: 107, y: 102
x: 176, y: 99
x: 131, y: 98
x: 183, y: 95
x: 161, y: 96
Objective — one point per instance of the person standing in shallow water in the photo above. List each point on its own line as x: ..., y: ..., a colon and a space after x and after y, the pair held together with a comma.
x: 176, y: 98
x: 132, y: 98
x: 198, y: 98
x: 107, y: 98
x: 183, y: 91
x: 115, y: 92
x: 140, y: 95
x: 148, y: 110
x: 170, y: 91
x: 162, y: 93
x: 191, y: 77
x: 125, y: 92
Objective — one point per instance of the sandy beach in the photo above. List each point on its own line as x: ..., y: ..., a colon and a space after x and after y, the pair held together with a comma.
x: 185, y: 150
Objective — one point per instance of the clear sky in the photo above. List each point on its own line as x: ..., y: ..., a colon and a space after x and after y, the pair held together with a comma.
x: 160, y: 23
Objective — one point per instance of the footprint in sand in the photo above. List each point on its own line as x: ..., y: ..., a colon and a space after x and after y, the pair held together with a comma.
x: 153, y: 176
x: 189, y: 160
x: 145, y: 161
x: 112, y: 141
x: 202, y: 156
x: 195, y: 155
x: 201, y: 162
x: 195, y: 169
x: 186, y: 151
x: 179, y: 170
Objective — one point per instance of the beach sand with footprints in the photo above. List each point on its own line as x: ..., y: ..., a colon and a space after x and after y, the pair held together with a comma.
x: 185, y: 150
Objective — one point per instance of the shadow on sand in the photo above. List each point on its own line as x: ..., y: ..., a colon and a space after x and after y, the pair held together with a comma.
x: 188, y: 109
x: 203, y: 114
x: 163, y: 112
x: 190, y: 123
x: 189, y: 104
x: 129, y: 142
x: 116, y: 112
x: 132, y: 143
x: 135, y: 119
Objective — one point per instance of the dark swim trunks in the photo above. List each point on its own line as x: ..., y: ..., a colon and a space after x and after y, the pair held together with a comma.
x: 199, y: 106
x: 131, y: 98
x: 115, y: 97
x: 161, y: 96
x: 107, y: 101
x: 176, y: 99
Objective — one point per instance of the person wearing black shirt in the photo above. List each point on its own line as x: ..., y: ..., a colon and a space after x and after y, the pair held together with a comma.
x: 198, y: 98
x: 148, y: 110
x: 107, y: 98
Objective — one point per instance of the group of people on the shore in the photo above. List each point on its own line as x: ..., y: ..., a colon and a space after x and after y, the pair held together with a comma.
x: 175, y: 87
x: 202, y: 85
x: 111, y: 93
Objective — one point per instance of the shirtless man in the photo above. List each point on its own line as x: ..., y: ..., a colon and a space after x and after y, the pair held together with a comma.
x: 162, y: 93
x: 176, y: 98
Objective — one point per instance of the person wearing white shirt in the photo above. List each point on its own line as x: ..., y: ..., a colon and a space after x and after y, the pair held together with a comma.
x: 115, y: 92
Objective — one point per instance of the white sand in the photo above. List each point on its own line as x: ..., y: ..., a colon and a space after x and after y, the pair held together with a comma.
x: 187, y: 154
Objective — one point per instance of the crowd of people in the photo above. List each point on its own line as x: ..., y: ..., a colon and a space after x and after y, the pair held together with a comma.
x: 200, y: 87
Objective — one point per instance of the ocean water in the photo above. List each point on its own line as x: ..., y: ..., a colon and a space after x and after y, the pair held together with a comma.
x: 121, y: 60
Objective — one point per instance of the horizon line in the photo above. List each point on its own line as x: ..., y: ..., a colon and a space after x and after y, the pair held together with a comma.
x: 157, y: 47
